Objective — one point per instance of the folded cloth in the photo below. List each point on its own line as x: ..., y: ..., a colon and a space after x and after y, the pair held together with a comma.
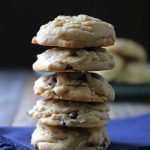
x: 16, y: 138
x: 130, y: 133
x: 125, y: 134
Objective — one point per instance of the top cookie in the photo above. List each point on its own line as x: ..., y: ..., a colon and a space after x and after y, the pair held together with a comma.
x: 75, y: 32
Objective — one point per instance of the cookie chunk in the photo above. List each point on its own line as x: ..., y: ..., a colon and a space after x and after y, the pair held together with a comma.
x: 76, y: 86
x: 69, y: 113
x: 75, y: 32
x: 61, y: 138
x: 129, y: 50
x: 62, y: 60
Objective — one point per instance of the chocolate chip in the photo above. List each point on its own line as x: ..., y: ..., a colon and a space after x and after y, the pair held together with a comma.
x: 104, y: 144
x: 103, y: 50
x: 88, y: 48
x: 83, y: 77
x: 62, y: 122
x: 68, y: 67
x: 51, y: 81
x: 94, y: 75
x: 73, y: 114
x: 74, y: 53
x: 90, y: 144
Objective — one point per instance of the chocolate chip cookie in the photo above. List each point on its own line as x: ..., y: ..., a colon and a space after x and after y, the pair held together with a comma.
x: 63, y: 59
x: 75, y: 32
x: 75, y: 86
x: 61, y: 138
x: 70, y: 113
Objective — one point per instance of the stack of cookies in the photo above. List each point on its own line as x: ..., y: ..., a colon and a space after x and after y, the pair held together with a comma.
x: 73, y: 113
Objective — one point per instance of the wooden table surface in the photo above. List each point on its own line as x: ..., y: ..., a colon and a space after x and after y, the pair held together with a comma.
x: 16, y: 97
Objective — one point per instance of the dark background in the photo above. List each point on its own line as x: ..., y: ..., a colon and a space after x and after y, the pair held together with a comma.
x: 21, y: 19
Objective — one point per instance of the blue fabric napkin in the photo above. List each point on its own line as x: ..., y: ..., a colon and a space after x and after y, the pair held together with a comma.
x: 125, y: 134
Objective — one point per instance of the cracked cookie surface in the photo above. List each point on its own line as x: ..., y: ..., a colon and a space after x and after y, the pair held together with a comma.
x: 70, y: 113
x: 75, y: 32
x: 75, y: 86
x: 62, y: 60
x: 62, y: 138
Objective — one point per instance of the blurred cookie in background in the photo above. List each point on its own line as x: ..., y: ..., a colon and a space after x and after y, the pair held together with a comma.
x: 135, y: 73
x: 131, y: 66
x: 129, y: 50
x: 111, y: 75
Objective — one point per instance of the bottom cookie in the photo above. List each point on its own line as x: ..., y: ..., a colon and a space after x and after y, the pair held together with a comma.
x: 61, y: 138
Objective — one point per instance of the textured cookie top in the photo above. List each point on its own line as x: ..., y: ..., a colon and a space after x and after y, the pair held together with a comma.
x: 65, y: 60
x: 75, y: 86
x: 51, y: 106
x: 75, y: 32
x: 70, y: 113
x: 62, y: 138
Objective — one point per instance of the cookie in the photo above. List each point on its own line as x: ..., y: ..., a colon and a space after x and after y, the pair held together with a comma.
x: 76, y: 86
x: 75, y: 32
x: 62, y: 59
x: 129, y: 50
x: 69, y: 113
x: 61, y: 138
x: 113, y: 74
x: 135, y: 73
